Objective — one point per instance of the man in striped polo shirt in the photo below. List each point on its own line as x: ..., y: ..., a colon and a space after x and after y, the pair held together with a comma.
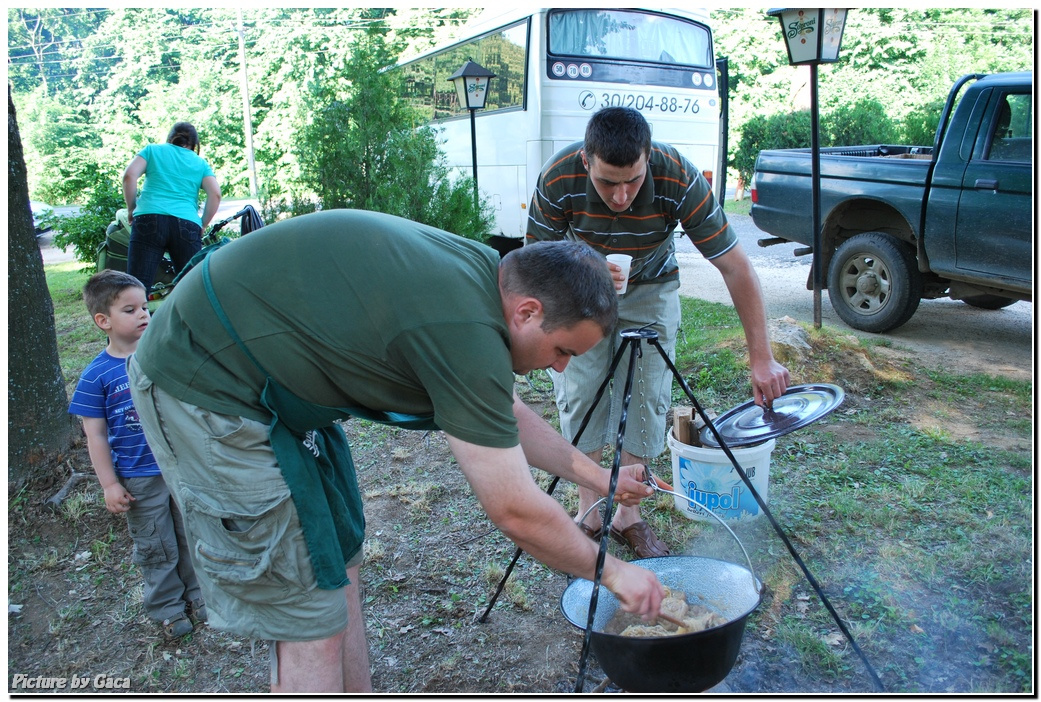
x: 620, y: 192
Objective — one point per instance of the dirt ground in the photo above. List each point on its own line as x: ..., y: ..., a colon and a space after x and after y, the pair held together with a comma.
x: 432, y: 562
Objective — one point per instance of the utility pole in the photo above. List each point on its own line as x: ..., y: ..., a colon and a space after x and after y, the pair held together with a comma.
x: 247, y: 118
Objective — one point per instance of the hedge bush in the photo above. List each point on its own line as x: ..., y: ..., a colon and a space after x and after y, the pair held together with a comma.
x: 864, y: 122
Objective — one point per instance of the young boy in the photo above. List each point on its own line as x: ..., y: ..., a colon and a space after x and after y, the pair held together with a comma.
x: 123, y: 462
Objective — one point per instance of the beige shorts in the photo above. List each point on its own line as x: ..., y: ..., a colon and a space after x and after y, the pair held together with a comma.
x: 656, y: 306
x: 242, y: 527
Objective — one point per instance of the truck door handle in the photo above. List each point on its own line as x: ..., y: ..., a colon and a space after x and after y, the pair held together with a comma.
x: 986, y: 184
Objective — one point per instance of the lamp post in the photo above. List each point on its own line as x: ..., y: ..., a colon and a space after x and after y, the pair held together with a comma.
x: 813, y: 37
x: 471, y: 87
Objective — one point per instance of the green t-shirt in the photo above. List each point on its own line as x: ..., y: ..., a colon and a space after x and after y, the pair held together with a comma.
x: 173, y: 178
x: 345, y: 308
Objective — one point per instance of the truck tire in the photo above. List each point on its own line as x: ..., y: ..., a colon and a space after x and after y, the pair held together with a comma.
x: 989, y: 302
x: 873, y: 282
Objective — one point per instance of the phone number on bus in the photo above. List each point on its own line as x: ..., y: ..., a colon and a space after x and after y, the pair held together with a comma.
x: 681, y: 105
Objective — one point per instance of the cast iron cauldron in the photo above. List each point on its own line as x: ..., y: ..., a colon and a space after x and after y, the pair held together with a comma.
x: 685, y: 663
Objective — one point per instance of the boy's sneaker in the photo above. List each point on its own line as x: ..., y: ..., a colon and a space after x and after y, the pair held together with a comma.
x: 197, y: 610
x: 177, y: 626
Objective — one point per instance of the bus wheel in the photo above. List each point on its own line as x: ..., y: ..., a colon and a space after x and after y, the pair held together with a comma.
x: 873, y: 282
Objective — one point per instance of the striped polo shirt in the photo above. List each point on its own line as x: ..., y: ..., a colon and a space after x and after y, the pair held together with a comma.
x: 566, y: 206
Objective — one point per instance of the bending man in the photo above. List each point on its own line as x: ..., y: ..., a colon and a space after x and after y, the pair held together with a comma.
x: 241, y: 376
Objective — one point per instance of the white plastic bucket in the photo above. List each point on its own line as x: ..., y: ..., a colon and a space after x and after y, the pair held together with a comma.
x: 707, y: 476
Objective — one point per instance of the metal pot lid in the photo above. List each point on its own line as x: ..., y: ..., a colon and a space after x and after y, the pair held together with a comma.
x: 750, y: 424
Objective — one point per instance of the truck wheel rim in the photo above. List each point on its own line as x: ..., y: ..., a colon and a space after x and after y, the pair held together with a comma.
x: 865, y: 284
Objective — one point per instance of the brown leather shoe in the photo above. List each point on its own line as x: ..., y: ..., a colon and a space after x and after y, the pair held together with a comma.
x: 641, y: 540
x: 594, y: 535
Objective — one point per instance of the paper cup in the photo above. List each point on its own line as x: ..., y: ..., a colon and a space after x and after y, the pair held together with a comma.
x: 626, y: 262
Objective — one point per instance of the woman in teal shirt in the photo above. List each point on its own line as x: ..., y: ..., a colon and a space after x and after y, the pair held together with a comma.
x: 165, y: 217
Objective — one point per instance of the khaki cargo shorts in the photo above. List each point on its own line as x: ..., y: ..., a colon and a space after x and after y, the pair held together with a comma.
x: 242, y: 527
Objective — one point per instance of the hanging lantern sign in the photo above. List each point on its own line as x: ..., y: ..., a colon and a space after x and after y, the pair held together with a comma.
x: 811, y: 35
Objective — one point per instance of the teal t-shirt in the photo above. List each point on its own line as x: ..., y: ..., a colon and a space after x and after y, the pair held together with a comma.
x: 345, y: 308
x: 173, y: 178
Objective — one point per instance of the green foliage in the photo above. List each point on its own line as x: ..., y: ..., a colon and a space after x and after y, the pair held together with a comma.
x: 103, y: 82
x: 862, y: 122
x: 62, y: 145
x: 86, y: 231
x: 275, y: 207
x: 906, y: 59
x: 42, y: 45
x: 168, y: 68
x: 361, y: 148
x: 427, y: 192
x: 454, y: 208
x: 920, y: 125
x: 787, y: 130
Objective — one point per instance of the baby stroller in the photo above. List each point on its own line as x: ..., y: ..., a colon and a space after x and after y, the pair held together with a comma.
x: 113, y: 251
x: 251, y: 222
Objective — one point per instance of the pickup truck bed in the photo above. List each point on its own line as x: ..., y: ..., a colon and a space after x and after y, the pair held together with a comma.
x: 896, y: 178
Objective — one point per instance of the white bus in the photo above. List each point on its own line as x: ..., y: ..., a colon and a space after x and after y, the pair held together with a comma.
x: 553, y: 68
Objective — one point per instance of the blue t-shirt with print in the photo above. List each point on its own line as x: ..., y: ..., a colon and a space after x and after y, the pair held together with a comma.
x: 103, y: 391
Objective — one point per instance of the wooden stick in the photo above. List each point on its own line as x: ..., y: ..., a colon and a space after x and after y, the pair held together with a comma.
x: 695, y: 433
x: 681, y: 424
x: 672, y: 620
x: 55, y: 500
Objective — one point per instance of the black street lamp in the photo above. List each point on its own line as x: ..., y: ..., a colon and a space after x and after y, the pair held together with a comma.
x: 813, y: 37
x: 471, y: 87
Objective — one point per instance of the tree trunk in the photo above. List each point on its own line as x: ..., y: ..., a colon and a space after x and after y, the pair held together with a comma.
x: 38, y: 420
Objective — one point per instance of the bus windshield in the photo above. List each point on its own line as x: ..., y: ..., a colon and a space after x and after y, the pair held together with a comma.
x: 629, y: 36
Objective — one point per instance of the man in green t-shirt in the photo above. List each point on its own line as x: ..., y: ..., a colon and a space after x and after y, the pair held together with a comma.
x: 347, y: 313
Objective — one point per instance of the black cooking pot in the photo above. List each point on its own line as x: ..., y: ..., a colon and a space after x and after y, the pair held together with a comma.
x: 685, y: 663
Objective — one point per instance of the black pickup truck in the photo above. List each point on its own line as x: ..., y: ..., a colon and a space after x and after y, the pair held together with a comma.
x: 902, y: 223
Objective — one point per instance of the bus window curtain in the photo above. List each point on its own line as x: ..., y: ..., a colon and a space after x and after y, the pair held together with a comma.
x: 630, y: 36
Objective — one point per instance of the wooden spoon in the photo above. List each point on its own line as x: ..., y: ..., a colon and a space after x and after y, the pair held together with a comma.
x: 672, y: 620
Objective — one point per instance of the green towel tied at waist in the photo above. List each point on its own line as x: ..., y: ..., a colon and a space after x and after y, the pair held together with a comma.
x: 316, y: 463
x: 318, y: 468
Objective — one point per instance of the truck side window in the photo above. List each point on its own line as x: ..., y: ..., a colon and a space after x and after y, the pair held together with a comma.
x: 1013, y: 138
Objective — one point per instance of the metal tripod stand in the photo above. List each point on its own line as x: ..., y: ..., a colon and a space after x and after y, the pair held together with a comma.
x: 632, y: 339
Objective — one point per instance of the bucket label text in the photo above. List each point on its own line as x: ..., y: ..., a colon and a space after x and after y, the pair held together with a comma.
x: 721, y: 501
